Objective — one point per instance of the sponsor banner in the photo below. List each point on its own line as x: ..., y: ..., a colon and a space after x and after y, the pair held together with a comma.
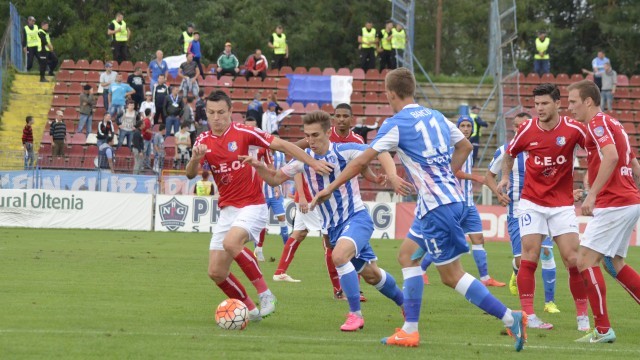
x: 200, y: 214
x: 75, y: 209
x: 494, y: 222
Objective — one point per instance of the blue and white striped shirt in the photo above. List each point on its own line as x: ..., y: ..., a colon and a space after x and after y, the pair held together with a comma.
x: 422, y: 138
x: 516, y: 179
x: 467, y: 185
x: 278, y: 161
x: 345, y: 201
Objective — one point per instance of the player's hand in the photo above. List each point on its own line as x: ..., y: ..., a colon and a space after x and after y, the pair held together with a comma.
x: 303, y: 205
x: 198, y: 151
x: 503, y: 185
x: 577, y: 194
x: 477, y: 178
x: 322, y: 167
x: 588, y: 204
x: 381, y: 179
x: 503, y: 199
x: 400, y: 185
x: 320, y: 198
x: 276, y: 194
x: 250, y: 160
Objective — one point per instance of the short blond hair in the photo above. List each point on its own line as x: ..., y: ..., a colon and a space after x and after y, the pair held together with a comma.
x: 402, y: 82
x: 318, y: 117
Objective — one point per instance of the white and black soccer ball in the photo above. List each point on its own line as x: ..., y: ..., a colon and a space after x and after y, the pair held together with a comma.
x: 232, y: 314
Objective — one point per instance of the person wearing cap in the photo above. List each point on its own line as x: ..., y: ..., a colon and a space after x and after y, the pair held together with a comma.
x: 30, y: 41
x: 107, y: 78
x: 194, y: 48
x: 541, y: 63
x: 87, y: 103
x: 478, y: 124
x: 189, y: 72
x: 368, y: 44
x: 156, y: 68
x: 256, y: 65
x: 120, y: 34
x: 136, y: 81
x: 387, y: 58
x: 58, y: 132
x: 228, y: 63
x: 148, y: 104
x: 204, y: 187
x: 186, y: 37
x: 118, y: 93
x: 278, y: 42
x: 46, y: 57
x: 270, y: 122
x: 106, y: 156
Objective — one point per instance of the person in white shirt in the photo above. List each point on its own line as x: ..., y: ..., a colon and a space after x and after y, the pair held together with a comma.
x: 270, y: 121
x: 148, y: 104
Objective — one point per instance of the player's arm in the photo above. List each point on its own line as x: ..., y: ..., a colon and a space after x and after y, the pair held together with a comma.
x: 321, y: 167
x: 197, y: 154
x: 465, y: 176
x: 507, y: 166
x: 490, y: 181
x: 302, y: 144
x: 608, y: 162
x: 270, y: 176
x: 635, y: 167
x: 461, y: 152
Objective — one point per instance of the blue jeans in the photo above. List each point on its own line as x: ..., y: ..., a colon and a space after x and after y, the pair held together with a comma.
x: 85, y: 121
x: 116, y: 112
x: 187, y: 86
x: 122, y: 134
x: 28, y: 156
x: 606, y: 100
x: 105, y: 97
x: 147, y: 152
x: 172, y: 121
x: 541, y: 67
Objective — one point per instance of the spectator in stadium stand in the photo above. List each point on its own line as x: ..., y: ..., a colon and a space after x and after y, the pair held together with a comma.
x: 278, y: 42
x: 107, y: 78
x: 200, y: 115
x: 270, y: 123
x: 158, y: 150
x: 598, y: 68
x: 256, y: 65
x: 173, y: 108
x: 87, y: 103
x: 188, y: 117
x: 362, y: 129
x: 189, y: 72
x: 120, y: 34
x: 541, y: 63
x: 204, y: 187
x: 156, y: 68
x: 46, y: 55
x: 398, y: 42
x: 182, y: 145
x: 228, y: 63
x: 30, y: 41
x: 609, y: 80
x: 478, y: 124
x: 106, y: 156
x: 118, y: 93
x: 194, y: 48
x: 387, y: 58
x: 368, y: 45
x: 27, y: 143
x: 137, y: 148
x: 148, y: 104
x: 105, y: 130
x: 160, y: 93
x: 255, y: 110
x: 58, y: 132
x: 126, y: 128
x: 186, y: 37
x: 147, y: 136
x: 136, y: 81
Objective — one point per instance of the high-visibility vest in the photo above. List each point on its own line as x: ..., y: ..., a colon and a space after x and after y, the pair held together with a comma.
x: 542, y: 46
x: 121, y: 35
x: 47, y: 40
x: 477, y: 131
x: 398, y: 39
x: 203, y: 188
x: 386, y: 40
x: 32, y: 36
x: 369, y: 37
x: 279, y: 44
x: 187, y: 40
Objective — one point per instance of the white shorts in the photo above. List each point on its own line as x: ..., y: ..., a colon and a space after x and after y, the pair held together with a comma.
x: 552, y: 221
x: 251, y: 218
x: 610, y: 230
x: 311, y: 221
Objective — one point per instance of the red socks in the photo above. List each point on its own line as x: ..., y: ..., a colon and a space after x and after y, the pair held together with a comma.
x: 597, y: 292
x: 234, y: 290
x: 287, y: 255
x: 249, y: 265
x: 630, y: 281
x: 262, y: 234
x: 578, y: 291
x: 527, y: 285
x: 331, y: 268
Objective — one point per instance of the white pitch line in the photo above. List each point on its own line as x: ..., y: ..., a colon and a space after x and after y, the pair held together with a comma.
x: 590, y: 348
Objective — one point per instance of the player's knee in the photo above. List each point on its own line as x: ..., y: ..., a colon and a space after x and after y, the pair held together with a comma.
x: 299, y: 235
x: 371, y: 277
x: 339, y: 258
x: 217, y: 275
x: 232, y: 248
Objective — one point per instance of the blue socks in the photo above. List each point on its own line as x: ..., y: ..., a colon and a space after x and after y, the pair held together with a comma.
x: 412, y: 292
x: 478, y: 295
x: 480, y: 257
x: 548, y: 265
x: 284, y: 232
x: 350, y: 285
x: 387, y: 286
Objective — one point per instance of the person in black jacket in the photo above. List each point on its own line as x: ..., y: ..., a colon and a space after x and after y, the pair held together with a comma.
x: 173, y: 108
x: 58, y: 132
x: 160, y: 92
x: 105, y: 129
x: 138, y: 148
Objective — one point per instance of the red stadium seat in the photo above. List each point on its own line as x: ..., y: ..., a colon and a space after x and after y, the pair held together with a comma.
x: 357, y: 109
x: 629, y: 128
x: 298, y: 108
x: 63, y: 76
x: 241, y: 82
x: 622, y: 80
x: 386, y: 110
x: 142, y: 65
x: 67, y: 64
x: 300, y: 70
x: 372, y: 110
x: 73, y: 100
x: 273, y: 73
x: 70, y: 114
x: 254, y: 83
x: 60, y: 88
x: 372, y: 86
x: 238, y: 106
x: 269, y: 83
x: 371, y: 98
x: 98, y: 113
x: 358, y: 85
x: 532, y: 78
x: 311, y: 107
x: 97, y: 65
x: 358, y: 74
x: 74, y: 88
x: 328, y: 71
x: 357, y: 97
x: 622, y: 104
x: 328, y: 108
x: 77, y: 76
x: 314, y: 71
x: 283, y: 93
x: 225, y: 81
x: 126, y: 66
x: 92, y: 77
x: 634, y: 93
x: 52, y: 113
x: 635, y: 106
x: 58, y: 101
x: 82, y: 65
x: 563, y: 79
x: 548, y: 78
x: 285, y: 70
x: 622, y: 92
x: 576, y: 78
x: 635, y: 80
x: 237, y: 117
x: 283, y: 83
x: 100, y: 102
x: 344, y: 72
x: 210, y: 81
x: 372, y: 74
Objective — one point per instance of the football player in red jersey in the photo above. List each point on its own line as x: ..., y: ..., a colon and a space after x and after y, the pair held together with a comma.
x: 243, y: 209
x: 547, y: 205
x: 614, y: 202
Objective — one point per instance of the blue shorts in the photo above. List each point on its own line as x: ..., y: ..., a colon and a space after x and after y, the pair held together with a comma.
x: 442, y: 235
x: 513, y: 228
x: 358, y: 229
x: 471, y: 223
x: 415, y: 235
x: 277, y: 205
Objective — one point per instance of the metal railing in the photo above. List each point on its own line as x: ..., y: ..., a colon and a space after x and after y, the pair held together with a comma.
x: 11, y: 47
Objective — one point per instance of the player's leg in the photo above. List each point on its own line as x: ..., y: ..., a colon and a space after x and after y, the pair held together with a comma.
x: 331, y: 268
x: 278, y: 210
x: 472, y: 226
x: 513, y: 227
x: 379, y: 278
x: 289, y: 251
x: 414, y: 235
x: 548, y: 265
x: 343, y: 252
x: 258, y: 250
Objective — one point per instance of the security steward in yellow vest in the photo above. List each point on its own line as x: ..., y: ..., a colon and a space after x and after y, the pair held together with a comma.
x: 204, y: 187
x: 368, y: 45
x: 46, y: 54
x: 30, y: 41
x: 387, y: 56
x: 187, y: 37
x: 398, y: 41
x: 278, y: 42
x: 478, y: 124
x: 120, y: 34
x: 541, y: 62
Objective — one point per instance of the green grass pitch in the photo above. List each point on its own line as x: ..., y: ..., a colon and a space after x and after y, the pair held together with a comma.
x: 72, y: 294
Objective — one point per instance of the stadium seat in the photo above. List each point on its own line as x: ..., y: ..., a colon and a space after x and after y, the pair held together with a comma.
x: 300, y: 70
x: 343, y: 72
x: 70, y: 114
x: 74, y: 88
x: 298, y: 108
x: 634, y: 93
x: 52, y: 113
x: 60, y: 88
x: 532, y: 78
x: 283, y: 83
x: 126, y: 66
x: 358, y: 85
x: 97, y: 65
x: 622, y: 80
x: 372, y: 74
x: 328, y: 108
x: 629, y: 128
x: 78, y: 139
x: 563, y: 79
x: 358, y: 74
x: 98, y: 114
x: 74, y: 150
x: 67, y: 64
x: 283, y: 93
x: 73, y: 100
x: 77, y: 76
x: 63, y: 76
x: 371, y: 98
x: 386, y: 110
x: 357, y: 109
x: 269, y: 83
x: 92, y: 77
x: 328, y: 71
x: 357, y: 97
x: 635, y: 80
x: 314, y: 71
x: 82, y: 65
x: 622, y: 92
x: 254, y: 83
x: 372, y: 86
x: 243, y: 94
x: 622, y: 104
x: 635, y: 106
x: 46, y: 138
x: 210, y: 81
x: 225, y: 81
x: 548, y: 78
x: 238, y: 107
x: 272, y: 73
x: 382, y: 98
x: 100, y: 102
x: 58, y: 101
x: 311, y: 107
x: 237, y: 117
x: 241, y: 82
x: 142, y: 65
x: 285, y: 70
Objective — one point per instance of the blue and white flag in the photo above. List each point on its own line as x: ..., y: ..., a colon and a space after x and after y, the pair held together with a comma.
x: 174, y: 62
x: 320, y: 89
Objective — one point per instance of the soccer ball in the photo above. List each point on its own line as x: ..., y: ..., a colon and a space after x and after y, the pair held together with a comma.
x: 232, y: 314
